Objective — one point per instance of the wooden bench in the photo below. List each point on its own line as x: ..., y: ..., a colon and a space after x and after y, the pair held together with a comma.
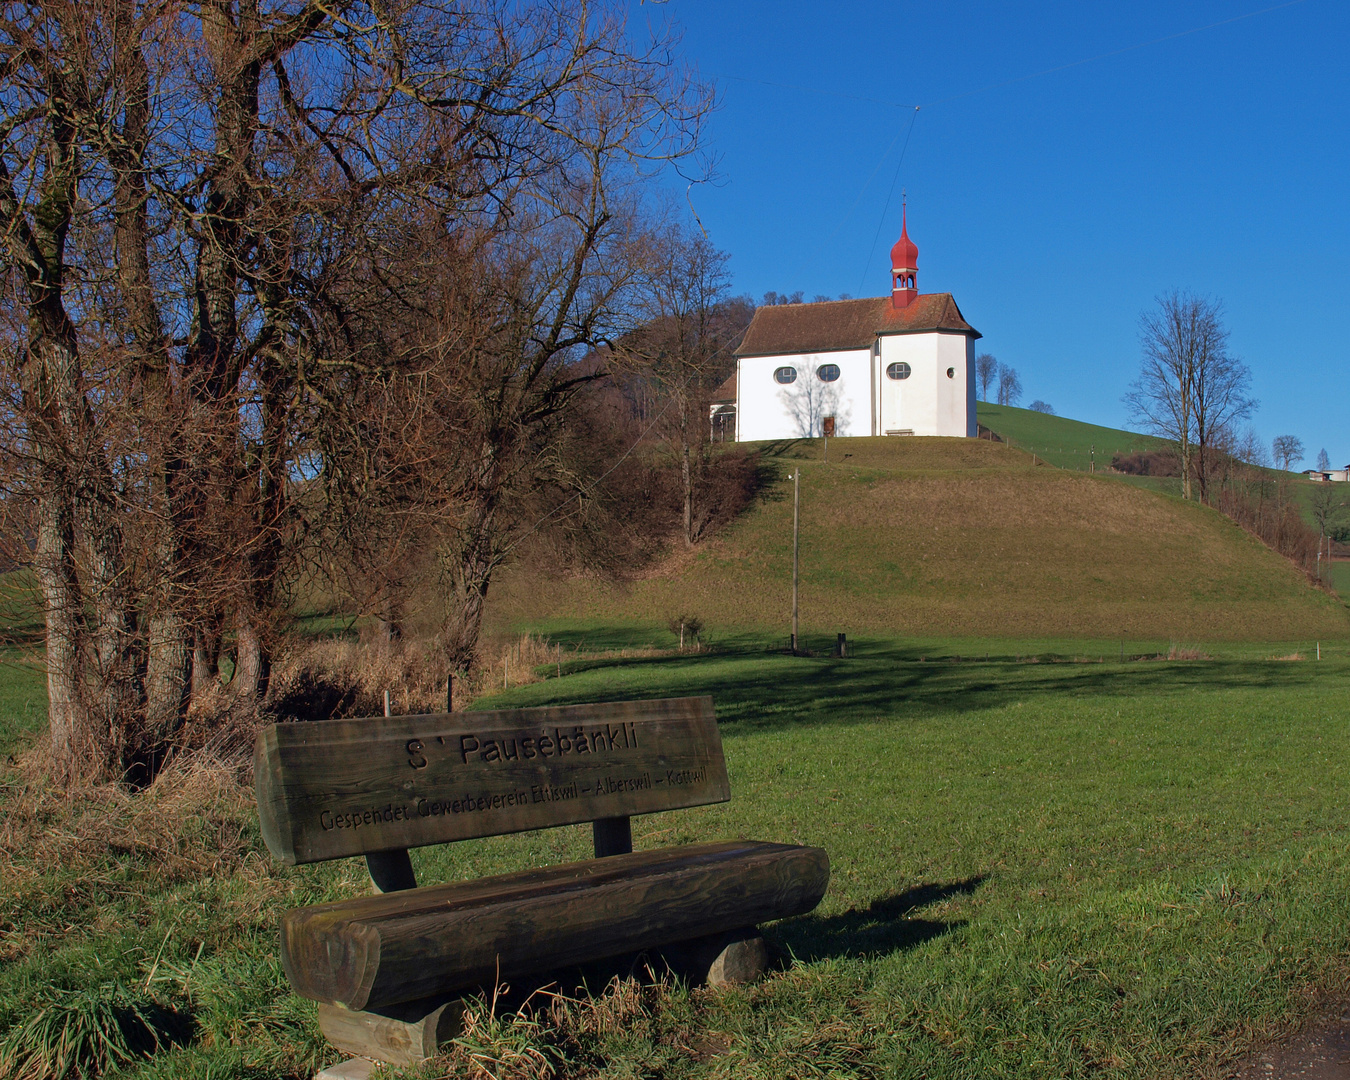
x: 389, y: 970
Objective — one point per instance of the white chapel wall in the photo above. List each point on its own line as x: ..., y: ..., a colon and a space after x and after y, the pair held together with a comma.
x: 767, y: 409
x: 908, y: 405
x: 956, y: 396
x: 928, y: 402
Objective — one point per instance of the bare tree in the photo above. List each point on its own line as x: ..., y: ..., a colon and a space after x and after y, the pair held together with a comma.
x: 1042, y: 407
x: 1286, y: 449
x: 683, y: 348
x: 193, y: 197
x: 1190, y: 390
x: 1009, y: 386
x: 986, y: 368
x: 1327, y: 506
x: 1222, y: 400
x: 1323, y: 461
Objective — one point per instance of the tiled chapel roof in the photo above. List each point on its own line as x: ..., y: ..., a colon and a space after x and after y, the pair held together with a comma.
x: 847, y: 324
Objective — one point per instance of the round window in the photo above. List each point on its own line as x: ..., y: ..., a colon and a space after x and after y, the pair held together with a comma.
x: 951, y: 373
x: 828, y: 372
x: 786, y: 374
x: 897, y: 371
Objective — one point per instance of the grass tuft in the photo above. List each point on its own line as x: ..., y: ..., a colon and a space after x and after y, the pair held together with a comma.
x: 87, y: 1032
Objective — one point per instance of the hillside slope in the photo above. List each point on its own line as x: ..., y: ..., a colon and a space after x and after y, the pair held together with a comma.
x: 958, y: 537
x: 1072, y: 444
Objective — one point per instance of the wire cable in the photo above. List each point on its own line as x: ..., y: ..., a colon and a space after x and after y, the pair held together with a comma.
x: 979, y: 90
x: 889, y: 195
x: 1114, y: 52
x: 815, y: 90
x: 811, y: 257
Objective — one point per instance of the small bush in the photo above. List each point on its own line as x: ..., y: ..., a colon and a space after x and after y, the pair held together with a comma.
x: 682, y: 626
x: 1147, y: 463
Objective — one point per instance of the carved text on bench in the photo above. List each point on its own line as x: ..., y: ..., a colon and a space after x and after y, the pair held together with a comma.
x: 355, y: 786
x: 576, y: 741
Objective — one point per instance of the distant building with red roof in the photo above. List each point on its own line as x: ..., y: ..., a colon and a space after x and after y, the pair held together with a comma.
x: 902, y: 364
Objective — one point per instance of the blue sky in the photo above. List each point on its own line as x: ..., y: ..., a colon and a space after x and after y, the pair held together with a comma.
x: 1056, y: 207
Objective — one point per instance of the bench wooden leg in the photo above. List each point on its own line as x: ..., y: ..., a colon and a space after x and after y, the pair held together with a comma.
x: 400, y: 1035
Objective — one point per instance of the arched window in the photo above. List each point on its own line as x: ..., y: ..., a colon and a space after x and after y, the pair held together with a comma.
x: 828, y: 372
x: 897, y: 371
x: 786, y: 375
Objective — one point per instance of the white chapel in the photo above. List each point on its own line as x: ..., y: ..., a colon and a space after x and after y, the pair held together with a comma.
x: 902, y: 364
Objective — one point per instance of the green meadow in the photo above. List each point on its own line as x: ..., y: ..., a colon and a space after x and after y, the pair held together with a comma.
x: 1042, y: 865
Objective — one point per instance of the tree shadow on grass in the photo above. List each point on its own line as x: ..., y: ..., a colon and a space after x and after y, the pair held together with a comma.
x: 884, y: 926
x: 755, y: 688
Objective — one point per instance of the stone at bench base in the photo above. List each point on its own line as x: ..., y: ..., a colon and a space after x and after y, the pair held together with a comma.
x: 735, y: 956
x: 400, y: 1034
x: 352, y: 1069
x: 744, y: 958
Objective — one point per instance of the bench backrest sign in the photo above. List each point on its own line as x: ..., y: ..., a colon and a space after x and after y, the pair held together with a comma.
x: 350, y: 787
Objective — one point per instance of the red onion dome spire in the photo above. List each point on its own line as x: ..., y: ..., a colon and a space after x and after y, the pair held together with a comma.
x: 905, y: 254
x: 904, y: 265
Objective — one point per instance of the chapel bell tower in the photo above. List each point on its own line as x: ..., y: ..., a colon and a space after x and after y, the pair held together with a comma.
x: 904, y: 267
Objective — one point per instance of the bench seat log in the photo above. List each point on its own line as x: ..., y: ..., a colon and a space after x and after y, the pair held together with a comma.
x: 378, y: 951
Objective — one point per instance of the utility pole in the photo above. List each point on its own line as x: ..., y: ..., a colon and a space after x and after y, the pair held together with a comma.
x: 796, y: 503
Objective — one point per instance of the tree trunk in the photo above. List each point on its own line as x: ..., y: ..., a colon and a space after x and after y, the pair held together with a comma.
x: 1184, y: 451
x: 168, y: 652
x: 112, y: 635
x: 687, y: 478
x: 206, y: 654
x: 55, y: 570
x: 389, y: 627
x: 472, y: 566
x: 253, y: 666
x: 168, y: 670
x: 73, y: 486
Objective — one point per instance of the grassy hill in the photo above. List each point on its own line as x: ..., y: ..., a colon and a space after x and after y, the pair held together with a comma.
x: 1072, y: 444
x: 1059, y: 440
x: 958, y: 537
